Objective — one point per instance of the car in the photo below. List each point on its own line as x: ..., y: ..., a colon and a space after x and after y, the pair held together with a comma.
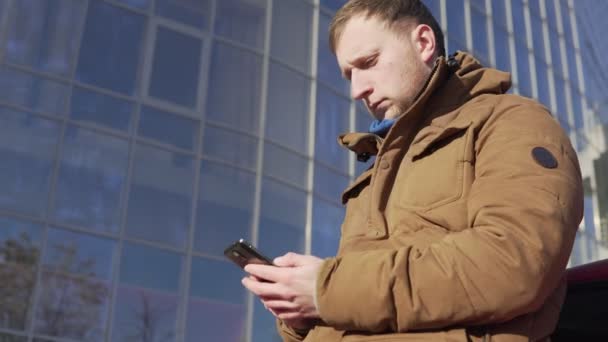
x: 584, y: 316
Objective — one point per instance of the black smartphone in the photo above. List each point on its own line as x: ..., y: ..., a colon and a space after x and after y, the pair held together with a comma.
x: 243, y: 253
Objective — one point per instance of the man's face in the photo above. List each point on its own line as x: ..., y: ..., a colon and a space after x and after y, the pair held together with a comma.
x: 384, y: 67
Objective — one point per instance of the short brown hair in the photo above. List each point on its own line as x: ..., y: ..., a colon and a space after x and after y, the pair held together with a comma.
x: 389, y: 11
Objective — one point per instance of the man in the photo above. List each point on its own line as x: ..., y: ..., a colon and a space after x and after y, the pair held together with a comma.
x: 462, y: 228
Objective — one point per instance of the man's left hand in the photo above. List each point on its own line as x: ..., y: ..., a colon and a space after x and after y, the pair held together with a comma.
x: 289, y: 290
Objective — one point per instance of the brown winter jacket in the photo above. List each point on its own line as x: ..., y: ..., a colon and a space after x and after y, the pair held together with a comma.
x: 462, y: 228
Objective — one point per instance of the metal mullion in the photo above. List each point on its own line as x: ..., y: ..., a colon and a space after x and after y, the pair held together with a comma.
x: 549, y: 56
x: 579, y: 65
x: 227, y: 164
x: 103, y: 91
x: 260, y: 161
x: 287, y: 148
x: 121, y: 5
x: 82, y: 229
x: 529, y: 48
x: 38, y: 73
x: 45, y: 115
x: 333, y: 89
x: 31, y: 319
x: 21, y: 216
x: 468, y: 26
x: 236, y: 44
x: 290, y: 67
x: 180, y: 27
x: 331, y: 167
x: 565, y: 72
x: 182, y: 112
x: 491, y: 37
x: 227, y: 127
x: 286, y: 183
x: 513, y: 55
x: 164, y: 146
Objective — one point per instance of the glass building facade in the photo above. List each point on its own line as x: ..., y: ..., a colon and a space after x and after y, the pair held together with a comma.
x: 140, y: 137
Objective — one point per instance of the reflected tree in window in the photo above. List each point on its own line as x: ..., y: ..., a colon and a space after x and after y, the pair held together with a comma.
x: 148, y: 323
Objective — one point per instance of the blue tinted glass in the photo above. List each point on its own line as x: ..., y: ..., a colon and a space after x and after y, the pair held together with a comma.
x: 72, y: 307
x: 264, y: 324
x: 282, y: 221
x: 560, y: 96
x: 556, y: 52
x: 434, y: 7
x: 501, y: 44
x: 534, y: 8
x: 120, y: 40
x: 160, y: 198
x: 456, y: 30
x: 480, y: 35
x: 479, y: 4
x: 333, y: 4
x: 291, y: 22
x: 242, y: 20
x: 288, y: 107
x: 235, y: 80
x: 455, y: 45
x: 43, y: 34
x: 150, y: 268
x: 499, y: 13
x: 99, y: 109
x: 566, y: 24
x: 224, y: 207
x: 33, y: 92
x: 215, y: 321
x: 78, y: 253
x: 577, y: 110
x: 14, y: 232
x: 551, y: 15
x: 193, y: 13
x: 519, y: 22
x: 332, y: 120
x: 328, y: 183
x: 589, y: 219
x: 538, y: 38
x: 232, y: 147
x: 15, y: 338
x: 141, y: 4
x: 285, y: 165
x: 27, y: 150
x: 91, y: 180
x: 225, y: 284
x: 168, y: 128
x: 144, y: 315
x: 326, y: 222
x: 327, y: 66
x: 175, y: 75
x: 572, y: 69
x: 542, y: 82
x: 523, y: 69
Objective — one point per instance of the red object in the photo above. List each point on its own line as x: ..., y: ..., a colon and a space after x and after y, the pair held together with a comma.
x: 595, y: 271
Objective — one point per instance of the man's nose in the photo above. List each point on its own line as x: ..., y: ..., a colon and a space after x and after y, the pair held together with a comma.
x: 360, y: 88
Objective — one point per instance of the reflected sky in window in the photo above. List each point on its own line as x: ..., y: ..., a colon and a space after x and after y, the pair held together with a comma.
x: 150, y: 268
x: 100, y: 109
x: 332, y: 120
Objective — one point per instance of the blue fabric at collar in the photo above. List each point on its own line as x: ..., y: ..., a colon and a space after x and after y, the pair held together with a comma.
x: 381, y: 127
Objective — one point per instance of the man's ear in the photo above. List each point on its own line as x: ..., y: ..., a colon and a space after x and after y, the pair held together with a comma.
x: 424, y: 42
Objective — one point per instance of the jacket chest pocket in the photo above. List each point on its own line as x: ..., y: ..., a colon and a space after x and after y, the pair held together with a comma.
x: 434, y: 176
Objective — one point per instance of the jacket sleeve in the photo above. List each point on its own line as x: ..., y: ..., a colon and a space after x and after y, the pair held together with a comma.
x: 289, y: 334
x: 522, y: 218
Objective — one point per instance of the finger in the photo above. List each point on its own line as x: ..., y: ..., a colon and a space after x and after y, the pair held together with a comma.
x: 268, y: 273
x: 288, y: 260
x: 278, y: 305
x: 290, y: 315
x: 263, y: 289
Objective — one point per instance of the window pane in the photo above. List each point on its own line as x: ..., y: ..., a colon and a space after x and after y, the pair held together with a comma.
x: 150, y: 268
x: 215, y: 321
x: 282, y: 221
x: 333, y: 4
x: 328, y: 70
x: 537, y: 36
x: 435, y: 7
x: 285, y: 165
x: 456, y: 30
x: 168, y: 128
x: 329, y: 183
x: 32, y: 92
x: 13, y: 338
x: 189, y: 12
x: 91, y: 180
x: 288, y: 99
x: 43, y: 34
x: 242, y: 20
x: 523, y: 69
x: 218, y: 280
x: 27, y: 149
x: 519, y: 22
x: 72, y: 307
x: 175, y: 75
x: 326, y: 222
x: 565, y: 12
x: 560, y: 96
x: 19, y: 253
x: 480, y: 34
x: 235, y: 80
x: 234, y: 148
x: 292, y: 22
x: 99, y: 109
x: 332, y: 120
x: 551, y: 14
x: 120, y: 40
x: 556, y: 53
x: 144, y: 315
x: 501, y: 43
x: 544, y: 96
x: 572, y: 70
x: 78, y: 254
x: 225, y: 206
x: 577, y: 111
x: 499, y: 13
x: 141, y: 4
x: 161, y: 196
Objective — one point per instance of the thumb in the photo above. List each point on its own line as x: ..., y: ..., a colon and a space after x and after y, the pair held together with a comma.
x: 289, y: 260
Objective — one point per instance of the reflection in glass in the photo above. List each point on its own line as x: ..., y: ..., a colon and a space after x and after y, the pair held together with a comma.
x: 72, y: 307
x: 291, y: 23
x: 141, y: 4
x: 537, y: 37
x: 519, y: 22
x: 326, y: 222
x: 32, y: 92
x: 542, y: 80
x: 329, y: 183
x: 120, y: 40
x: 175, y: 75
x: 288, y: 108
x: 143, y: 315
x: 193, y: 13
x: 333, y: 4
x: 160, y: 198
x: 285, y: 165
x: 499, y: 13
x: 149, y: 267
x: 556, y: 52
x: 282, y: 221
x: 19, y: 254
x: 560, y: 96
x: 91, y: 179
x: 234, y: 74
x: 480, y: 36
x: 224, y: 208
x: 168, y: 128
x: 523, y: 69
x: 332, y: 120
x: 328, y: 70
x: 231, y: 147
x: 78, y: 254
x: 264, y: 324
x: 27, y: 147
x: 435, y: 7
x: 456, y: 28
x: 100, y: 109
x: 242, y: 20
x: 501, y: 44
x: 217, y: 280
x: 215, y: 321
